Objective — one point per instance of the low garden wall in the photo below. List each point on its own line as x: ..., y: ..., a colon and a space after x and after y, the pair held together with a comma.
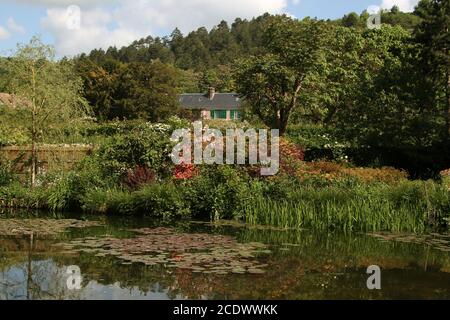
x: 50, y: 157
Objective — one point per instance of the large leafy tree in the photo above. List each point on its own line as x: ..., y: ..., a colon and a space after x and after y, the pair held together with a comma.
x: 371, y: 89
x: 132, y: 90
x: 335, y: 88
x: 47, y: 89
x: 351, y: 20
x: 147, y: 91
x: 220, y: 78
x: 99, y: 84
x: 273, y: 83
x: 434, y: 37
x: 379, y: 99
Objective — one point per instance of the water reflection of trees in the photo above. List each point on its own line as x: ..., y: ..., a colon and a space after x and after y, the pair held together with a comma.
x: 313, y: 266
x: 28, y: 272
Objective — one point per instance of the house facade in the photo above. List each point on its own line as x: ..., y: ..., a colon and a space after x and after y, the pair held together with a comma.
x: 222, y: 106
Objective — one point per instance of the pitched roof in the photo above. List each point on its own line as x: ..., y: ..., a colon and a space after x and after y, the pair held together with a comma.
x: 221, y: 101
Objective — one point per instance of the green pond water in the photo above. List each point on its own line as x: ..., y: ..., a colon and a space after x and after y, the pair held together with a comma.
x: 130, y: 258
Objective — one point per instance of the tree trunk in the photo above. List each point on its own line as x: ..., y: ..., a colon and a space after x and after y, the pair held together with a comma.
x: 284, y: 117
x: 33, y: 133
x: 285, y: 113
x: 33, y: 161
x: 29, y: 267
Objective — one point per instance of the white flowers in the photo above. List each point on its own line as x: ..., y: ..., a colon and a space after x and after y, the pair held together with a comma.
x: 159, y: 127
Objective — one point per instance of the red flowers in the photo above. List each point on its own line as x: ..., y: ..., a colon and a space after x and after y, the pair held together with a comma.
x: 291, y: 157
x: 290, y: 150
x: 185, y: 171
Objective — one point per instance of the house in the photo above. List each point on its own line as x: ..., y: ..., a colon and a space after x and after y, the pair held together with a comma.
x: 224, y: 106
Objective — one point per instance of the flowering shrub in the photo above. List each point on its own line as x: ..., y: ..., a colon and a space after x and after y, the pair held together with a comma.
x: 177, y: 123
x: 320, y: 141
x: 157, y: 127
x: 291, y: 160
x: 185, y: 171
x: 291, y: 157
x: 217, y: 192
x: 136, y: 149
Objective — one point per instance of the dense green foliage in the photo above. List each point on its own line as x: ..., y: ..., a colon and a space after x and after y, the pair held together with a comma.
x: 132, y: 174
x: 6, y: 175
x: 46, y: 92
x: 229, y: 193
x: 129, y: 91
x: 345, y: 93
x: 273, y: 83
x: 333, y: 78
x: 377, y: 91
x: 433, y: 37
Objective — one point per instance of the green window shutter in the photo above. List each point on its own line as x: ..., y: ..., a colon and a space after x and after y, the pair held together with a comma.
x: 235, y: 114
x: 218, y: 114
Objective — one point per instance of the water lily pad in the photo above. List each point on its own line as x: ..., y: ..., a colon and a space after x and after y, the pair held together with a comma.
x: 201, y: 253
x: 434, y: 240
x: 256, y: 271
x: 238, y: 270
x: 41, y: 227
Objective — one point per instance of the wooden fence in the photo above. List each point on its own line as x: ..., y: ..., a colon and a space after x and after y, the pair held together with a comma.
x: 50, y: 157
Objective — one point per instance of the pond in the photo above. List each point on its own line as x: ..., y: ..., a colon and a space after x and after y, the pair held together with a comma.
x: 83, y: 257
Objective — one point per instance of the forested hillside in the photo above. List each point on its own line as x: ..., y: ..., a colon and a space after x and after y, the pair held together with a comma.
x: 191, y: 62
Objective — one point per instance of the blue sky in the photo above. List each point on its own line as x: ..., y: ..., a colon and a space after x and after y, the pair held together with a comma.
x: 103, y: 23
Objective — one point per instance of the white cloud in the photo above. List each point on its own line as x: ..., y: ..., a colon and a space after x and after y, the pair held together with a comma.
x: 93, y: 33
x: 13, y: 26
x: 404, y: 5
x: 130, y: 20
x: 4, y: 34
x: 66, y: 3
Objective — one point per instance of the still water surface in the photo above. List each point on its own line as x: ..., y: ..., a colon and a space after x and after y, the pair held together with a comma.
x: 259, y: 264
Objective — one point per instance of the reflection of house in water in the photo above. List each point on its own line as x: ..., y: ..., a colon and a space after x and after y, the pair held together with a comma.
x: 224, y: 106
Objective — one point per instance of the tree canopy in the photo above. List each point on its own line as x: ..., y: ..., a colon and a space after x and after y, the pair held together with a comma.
x: 48, y: 91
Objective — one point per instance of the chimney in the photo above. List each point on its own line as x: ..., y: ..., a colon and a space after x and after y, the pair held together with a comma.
x: 211, y: 93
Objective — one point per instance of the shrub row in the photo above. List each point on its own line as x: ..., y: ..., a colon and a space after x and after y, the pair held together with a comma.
x: 229, y: 193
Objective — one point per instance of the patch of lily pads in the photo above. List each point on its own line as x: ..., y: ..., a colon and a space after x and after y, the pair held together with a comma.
x: 41, y: 227
x: 197, y: 252
x: 438, y: 241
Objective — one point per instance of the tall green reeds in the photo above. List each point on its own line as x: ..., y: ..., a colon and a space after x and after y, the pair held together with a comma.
x: 410, y: 206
